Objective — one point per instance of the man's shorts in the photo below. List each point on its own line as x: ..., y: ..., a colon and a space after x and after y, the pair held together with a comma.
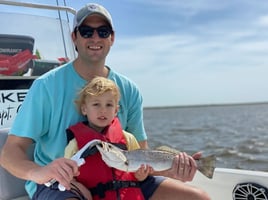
x: 53, y: 193
x: 148, y: 187
x: 150, y: 184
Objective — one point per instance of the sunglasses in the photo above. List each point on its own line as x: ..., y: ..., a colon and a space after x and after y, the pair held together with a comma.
x: 87, y: 31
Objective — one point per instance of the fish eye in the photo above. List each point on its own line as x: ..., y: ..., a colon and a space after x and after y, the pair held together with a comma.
x: 126, y: 163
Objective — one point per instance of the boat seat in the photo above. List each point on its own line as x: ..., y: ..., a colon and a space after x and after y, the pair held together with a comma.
x: 11, y: 188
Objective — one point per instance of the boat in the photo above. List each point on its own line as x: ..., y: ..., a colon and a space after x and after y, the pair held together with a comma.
x: 37, y: 47
x: 41, y: 42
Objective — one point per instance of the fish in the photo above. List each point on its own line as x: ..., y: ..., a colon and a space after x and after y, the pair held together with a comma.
x: 159, y: 159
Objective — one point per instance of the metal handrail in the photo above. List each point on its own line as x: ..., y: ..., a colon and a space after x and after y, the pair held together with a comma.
x: 43, y: 6
x: 36, y: 5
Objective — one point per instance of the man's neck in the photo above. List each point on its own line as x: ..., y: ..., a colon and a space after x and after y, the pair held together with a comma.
x: 90, y: 70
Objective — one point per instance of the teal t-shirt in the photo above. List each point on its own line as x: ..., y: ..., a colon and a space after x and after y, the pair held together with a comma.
x: 49, y: 109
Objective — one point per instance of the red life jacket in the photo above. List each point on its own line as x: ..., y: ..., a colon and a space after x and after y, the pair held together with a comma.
x: 103, y: 181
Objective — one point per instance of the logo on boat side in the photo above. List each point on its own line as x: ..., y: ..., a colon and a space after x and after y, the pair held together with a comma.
x: 10, y: 102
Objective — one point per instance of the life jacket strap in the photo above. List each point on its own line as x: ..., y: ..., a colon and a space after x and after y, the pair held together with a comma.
x: 101, y: 188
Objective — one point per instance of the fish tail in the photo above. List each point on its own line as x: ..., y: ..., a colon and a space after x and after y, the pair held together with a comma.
x: 206, y: 165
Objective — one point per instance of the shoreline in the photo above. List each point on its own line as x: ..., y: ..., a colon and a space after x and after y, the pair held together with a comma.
x: 205, y: 105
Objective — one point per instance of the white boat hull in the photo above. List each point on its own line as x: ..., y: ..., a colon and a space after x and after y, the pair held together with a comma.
x: 234, y: 184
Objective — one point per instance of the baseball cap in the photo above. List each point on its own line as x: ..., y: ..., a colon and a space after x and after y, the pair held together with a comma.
x: 90, y: 9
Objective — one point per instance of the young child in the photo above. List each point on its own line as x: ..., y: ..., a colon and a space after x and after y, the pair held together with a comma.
x: 98, y: 101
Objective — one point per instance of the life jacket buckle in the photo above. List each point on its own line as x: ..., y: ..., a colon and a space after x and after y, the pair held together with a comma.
x: 101, y: 189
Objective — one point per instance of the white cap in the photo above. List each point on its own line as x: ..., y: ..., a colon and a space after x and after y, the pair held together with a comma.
x: 90, y: 9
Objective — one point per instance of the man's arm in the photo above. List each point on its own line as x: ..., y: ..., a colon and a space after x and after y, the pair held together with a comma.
x: 15, y: 160
x: 14, y: 157
x: 143, y: 144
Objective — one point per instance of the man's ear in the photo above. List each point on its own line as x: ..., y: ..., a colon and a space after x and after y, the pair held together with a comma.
x: 74, y: 36
x: 112, y: 39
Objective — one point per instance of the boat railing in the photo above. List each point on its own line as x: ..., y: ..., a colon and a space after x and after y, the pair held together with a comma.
x: 36, y: 5
x: 41, y: 42
x: 38, y: 44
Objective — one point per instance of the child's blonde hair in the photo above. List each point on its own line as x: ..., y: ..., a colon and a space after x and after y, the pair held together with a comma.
x: 97, y: 86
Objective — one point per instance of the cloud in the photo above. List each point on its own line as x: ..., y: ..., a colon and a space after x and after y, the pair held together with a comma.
x: 207, y: 66
x: 192, y: 52
x: 263, y: 21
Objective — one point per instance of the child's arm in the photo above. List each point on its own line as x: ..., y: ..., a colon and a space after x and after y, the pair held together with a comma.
x: 142, y: 173
x: 132, y: 143
x: 71, y: 149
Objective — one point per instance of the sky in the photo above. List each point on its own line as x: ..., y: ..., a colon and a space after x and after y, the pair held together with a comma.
x: 191, y: 52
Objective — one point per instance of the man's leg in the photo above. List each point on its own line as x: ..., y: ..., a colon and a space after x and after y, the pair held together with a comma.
x: 171, y: 189
x: 77, y: 192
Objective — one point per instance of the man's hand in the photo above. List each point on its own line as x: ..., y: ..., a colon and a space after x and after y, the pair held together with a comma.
x: 184, y: 166
x: 62, y: 170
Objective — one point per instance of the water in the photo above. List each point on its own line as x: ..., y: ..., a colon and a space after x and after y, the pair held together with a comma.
x: 236, y: 134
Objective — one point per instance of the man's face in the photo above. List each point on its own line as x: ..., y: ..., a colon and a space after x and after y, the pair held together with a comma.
x: 94, y: 48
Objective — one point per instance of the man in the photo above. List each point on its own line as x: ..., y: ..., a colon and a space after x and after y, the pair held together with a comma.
x: 49, y: 109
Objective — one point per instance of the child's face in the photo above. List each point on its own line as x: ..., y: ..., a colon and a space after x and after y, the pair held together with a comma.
x: 100, y: 110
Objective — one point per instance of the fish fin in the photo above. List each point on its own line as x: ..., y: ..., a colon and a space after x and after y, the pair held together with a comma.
x: 168, y: 149
x: 206, y: 165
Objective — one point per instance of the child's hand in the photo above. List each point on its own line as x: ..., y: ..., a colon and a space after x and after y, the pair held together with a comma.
x: 142, y: 173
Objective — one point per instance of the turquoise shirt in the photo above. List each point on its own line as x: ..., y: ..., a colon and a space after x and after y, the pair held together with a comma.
x: 49, y: 109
